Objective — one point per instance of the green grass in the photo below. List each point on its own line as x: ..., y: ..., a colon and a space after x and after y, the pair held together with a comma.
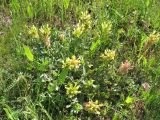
x: 79, y: 59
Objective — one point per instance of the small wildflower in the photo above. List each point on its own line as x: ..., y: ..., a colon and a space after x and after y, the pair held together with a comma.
x: 106, y: 27
x: 45, y: 30
x: 85, y: 16
x: 78, y: 30
x: 146, y: 86
x: 45, y: 33
x: 86, y: 19
x: 154, y: 36
x: 72, y: 63
x: 108, y: 55
x: 125, y: 67
x: 152, y: 39
x: 93, y: 107
x: 72, y: 89
x: 33, y: 31
x: 83, y: 24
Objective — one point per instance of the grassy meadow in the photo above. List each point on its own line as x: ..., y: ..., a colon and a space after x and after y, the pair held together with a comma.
x: 79, y: 60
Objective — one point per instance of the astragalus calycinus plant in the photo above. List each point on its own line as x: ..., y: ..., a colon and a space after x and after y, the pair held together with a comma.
x: 80, y: 60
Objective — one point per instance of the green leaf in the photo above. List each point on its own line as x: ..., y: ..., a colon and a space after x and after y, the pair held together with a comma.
x: 28, y: 53
x: 129, y: 100
x: 30, y: 13
x: 62, y: 76
x: 144, y: 38
x: 151, y: 62
x: 147, y: 3
x: 116, y: 116
x: 95, y: 45
x: 144, y: 61
x: 42, y: 66
x: 45, y: 111
x: 66, y: 3
x: 52, y: 86
x: 8, y: 112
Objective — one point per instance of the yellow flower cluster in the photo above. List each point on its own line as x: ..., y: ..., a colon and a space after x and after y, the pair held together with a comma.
x: 93, y: 107
x: 85, y: 16
x: 108, y: 54
x: 78, y: 30
x: 33, y: 31
x: 154, y: 36
x: 72, y: 89
x: 72, y: 63
x: 106, y: 27
x: 45, y: 32
x: 152, y: 39
x: 86, y: 19
x: 84, y: 23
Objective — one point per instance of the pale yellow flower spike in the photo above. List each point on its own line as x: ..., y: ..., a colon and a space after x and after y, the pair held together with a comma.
x: 108, y: 54
x: 33, y: 31
x: 45, y: 33
x: 72, y: 89
x: 72, y: 63
x: 93, y: 107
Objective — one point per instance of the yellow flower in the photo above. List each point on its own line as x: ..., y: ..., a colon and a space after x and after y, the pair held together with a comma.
x: 152, y: 39
x: 72, y: 63
x: 34, y: 32
x: 72, y: 89
x: 86, y: 19
x: 108, y: 54
x: 45, y: 30
x: 78, y: 30
x: 93, y: 107
x: 154, y: 36
x: 83, y: 24
x: 85, y: 16
x: 106, y: 27
x: 45, y: 33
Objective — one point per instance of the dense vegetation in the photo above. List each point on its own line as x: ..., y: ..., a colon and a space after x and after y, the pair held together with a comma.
x: 79, y: 59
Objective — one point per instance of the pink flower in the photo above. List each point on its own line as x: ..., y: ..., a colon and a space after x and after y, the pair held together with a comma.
x: 146, y: 86
x: 125, y: 67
